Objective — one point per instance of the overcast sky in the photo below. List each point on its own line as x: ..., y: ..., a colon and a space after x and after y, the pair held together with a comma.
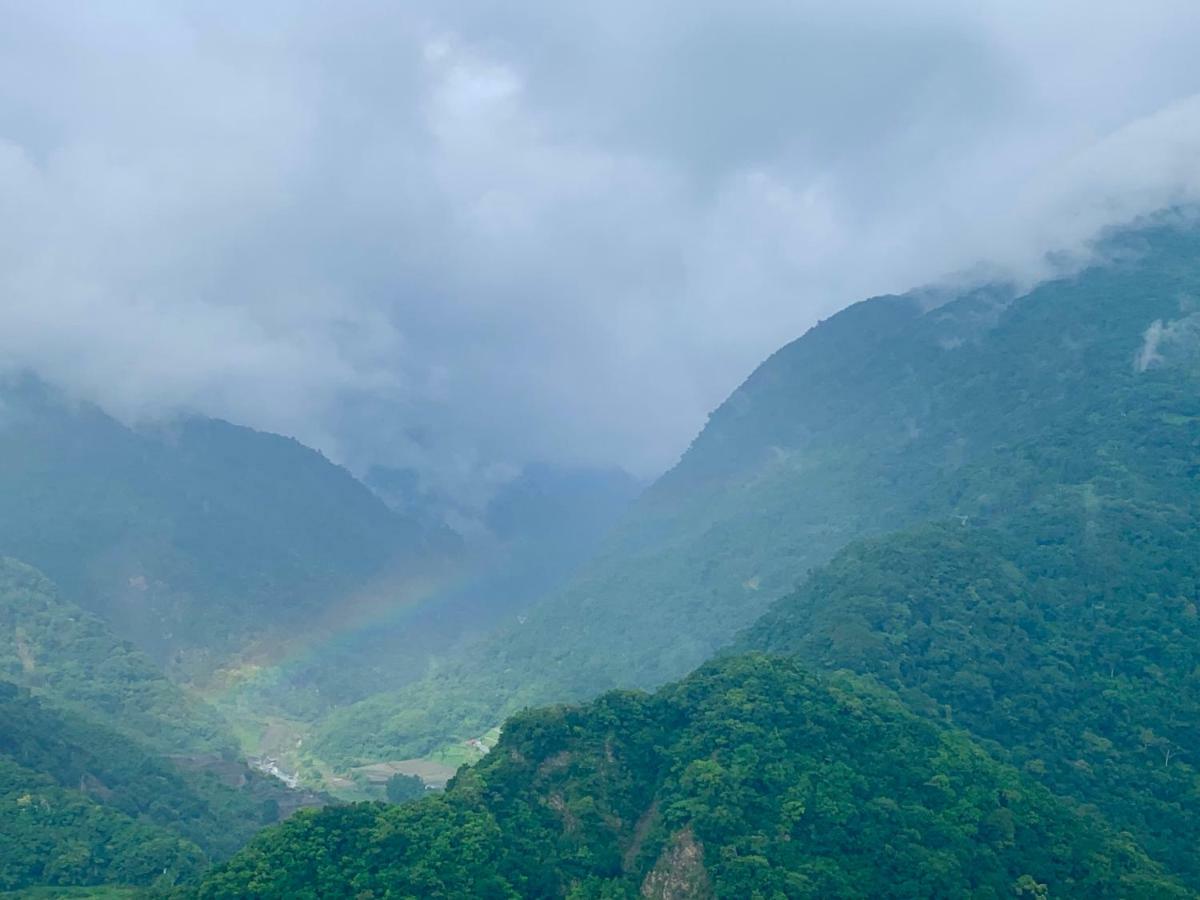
x: 475, y: 232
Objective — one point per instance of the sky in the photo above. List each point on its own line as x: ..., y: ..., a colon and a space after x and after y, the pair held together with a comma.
x: 463, y: 236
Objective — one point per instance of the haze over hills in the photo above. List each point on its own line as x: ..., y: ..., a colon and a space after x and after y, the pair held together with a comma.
x: 596, y: 451
x: 536, y: 528
x: 71, y: 657
x: 188, y: 536
x: 214, y: 551
x: 1012, y: 481
x: 986, y: 504
x: 887, y: 414
x: 111, y: 773
x: 257, y: 571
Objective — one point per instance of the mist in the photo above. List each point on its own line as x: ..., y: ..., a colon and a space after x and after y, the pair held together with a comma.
x: 462, y: 237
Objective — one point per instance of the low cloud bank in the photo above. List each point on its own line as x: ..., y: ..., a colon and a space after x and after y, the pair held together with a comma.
x: 463, y: 236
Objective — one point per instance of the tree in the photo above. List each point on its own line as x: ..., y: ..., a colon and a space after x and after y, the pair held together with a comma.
x: 401, y: 788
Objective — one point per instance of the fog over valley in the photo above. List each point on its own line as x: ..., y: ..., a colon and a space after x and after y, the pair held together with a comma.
x: 469, y: 237
x: 677, y: 451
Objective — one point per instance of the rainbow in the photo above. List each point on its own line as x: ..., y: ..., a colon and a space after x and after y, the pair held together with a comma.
x: 392, y: 606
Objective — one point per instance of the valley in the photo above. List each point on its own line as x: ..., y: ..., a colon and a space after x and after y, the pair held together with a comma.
x: 929, y: 573
x: 600, y: 451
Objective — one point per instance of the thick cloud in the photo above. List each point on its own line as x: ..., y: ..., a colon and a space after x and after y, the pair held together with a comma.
x: 464, y: 233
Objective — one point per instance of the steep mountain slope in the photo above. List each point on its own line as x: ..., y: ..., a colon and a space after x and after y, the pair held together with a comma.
x: 536, y: 529
x: 51, y: 836
x: 186, y: 538
x: 531, y: 535
x: 548, y: 521
x: 217, y: 807
x: 888, y: 414
x: 69, y: 655
x: 110, y: 771
x: 750, y: 778
x: 1069, y: 637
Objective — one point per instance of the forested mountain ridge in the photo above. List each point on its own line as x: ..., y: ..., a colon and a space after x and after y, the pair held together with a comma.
x: 1067, y: 638
x: 191, y: 536
x: 52, y: 836
x: 888, y: 414
x: 750, y: 778
x: 121, y: 774
x: 228, y: 554
x: 70, y: 655
x: 111, y: 773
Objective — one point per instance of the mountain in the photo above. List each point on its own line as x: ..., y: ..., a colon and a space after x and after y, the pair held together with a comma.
x: 203, y: 543
x: 189, y: 539
x: 962, y: 530
x: 1066, y: 638
x: 109, y: 772
x: 752, y: 777
x: 70, y: 656
x: 536, y: 528
x: 224, y: 554
x: 959, y: 524
x: 122, y: 774
x: 550, y: 519
x: 252, y: 567
x: 534, y: 531
x: 896, y: 411
x: 56, y: 837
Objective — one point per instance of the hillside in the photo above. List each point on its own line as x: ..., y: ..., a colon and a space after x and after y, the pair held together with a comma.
x: 891, y: 413
x: 55, y: 837
x: 57, y: 649
x: 1066, y: 638
x: 111, y: 772
x: 189, y: 539
x: 750, y: 778
x: 216, y: 803
x: 532, y: 533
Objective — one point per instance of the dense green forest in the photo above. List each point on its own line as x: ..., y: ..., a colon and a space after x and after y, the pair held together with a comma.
x: 888, y: 414
x: 111, y: 772
x: 752, y: 778
x: 215, y: 803
x: 1067, y: 640
x: 53, y: 836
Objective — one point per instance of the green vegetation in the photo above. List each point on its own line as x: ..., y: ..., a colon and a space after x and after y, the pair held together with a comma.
x: 53, y: 836
x: 985, y: 684
x: 71, y: 656
x: 227, y: 555
x: 112, y: 773
x: 402, y: 788
x: 751, y: 778
x: 215, y: 803
x: 882, y: 417
x: 1068, y: 640
x: 96, y: 892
